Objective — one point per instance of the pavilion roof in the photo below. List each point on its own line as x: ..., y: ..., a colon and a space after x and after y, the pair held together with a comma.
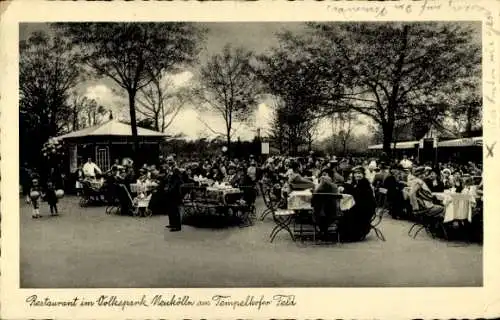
x: 112, y: 128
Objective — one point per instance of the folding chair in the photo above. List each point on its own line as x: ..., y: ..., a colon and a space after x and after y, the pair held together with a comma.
x: 247, y: 208
x: 427, y: 223
x: 283, y: 219
x: 382, y: 206
x: 380, y: 210
x: 270, y: 200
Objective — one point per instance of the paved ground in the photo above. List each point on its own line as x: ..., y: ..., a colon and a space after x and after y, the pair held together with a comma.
x: 87, y: 248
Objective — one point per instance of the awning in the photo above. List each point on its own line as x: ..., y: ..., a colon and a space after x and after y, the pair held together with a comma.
x: 462, y: 142
x: 399, y: 145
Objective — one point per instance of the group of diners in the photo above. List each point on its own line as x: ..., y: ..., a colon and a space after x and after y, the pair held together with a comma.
x: 409, y: 186
x: 162, y: 183
x: 409, y: 189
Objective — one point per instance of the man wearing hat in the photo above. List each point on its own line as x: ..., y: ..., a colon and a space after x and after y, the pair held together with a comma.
x: 333, y: 166
x: 174, y: 199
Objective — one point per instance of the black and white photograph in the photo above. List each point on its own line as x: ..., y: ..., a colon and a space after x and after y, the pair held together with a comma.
x: 250, y: 154
x: 247, y: 155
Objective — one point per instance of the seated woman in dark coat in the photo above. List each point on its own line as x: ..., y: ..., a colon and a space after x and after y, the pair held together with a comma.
x: 356, y: 223
x: 434, y: 182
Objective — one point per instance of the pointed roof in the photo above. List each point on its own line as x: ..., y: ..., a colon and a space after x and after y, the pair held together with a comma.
x: 112, y: 128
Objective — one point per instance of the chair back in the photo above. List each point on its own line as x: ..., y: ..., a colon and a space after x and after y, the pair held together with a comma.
x: 249, y: 194
x: 266, y: 191
x: 326, y: 204
x: 381, y: 197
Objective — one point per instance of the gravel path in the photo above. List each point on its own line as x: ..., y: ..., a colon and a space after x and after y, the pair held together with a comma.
x: 85, y: 248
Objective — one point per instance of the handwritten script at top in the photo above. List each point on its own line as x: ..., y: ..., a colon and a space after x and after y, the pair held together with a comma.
x: 420, y: 7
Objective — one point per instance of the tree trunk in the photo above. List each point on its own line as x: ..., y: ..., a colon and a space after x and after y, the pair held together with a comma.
x: 157, y: 123
x: 133, y: 125
x: 344, y: 146
x: 387, y: 130
x: 75, y: 120
x: 468, y: 125
x: 228, y: 141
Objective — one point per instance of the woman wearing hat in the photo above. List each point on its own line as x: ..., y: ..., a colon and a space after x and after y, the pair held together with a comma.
x: 355, y: 224
x: 457, y: 181
x: 434, y: 182
x: 447, y: 178
x: 421, y: 198
x: 231, y: 173
x: 337, y: 178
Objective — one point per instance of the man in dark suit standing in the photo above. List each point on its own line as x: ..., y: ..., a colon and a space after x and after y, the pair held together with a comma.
x: 174, y: 199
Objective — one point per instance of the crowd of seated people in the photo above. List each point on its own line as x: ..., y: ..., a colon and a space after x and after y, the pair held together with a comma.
x: 409, y: 184
x: 163, y: 181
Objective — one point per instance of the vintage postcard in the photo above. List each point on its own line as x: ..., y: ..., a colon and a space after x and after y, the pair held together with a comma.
x: 250, y: 160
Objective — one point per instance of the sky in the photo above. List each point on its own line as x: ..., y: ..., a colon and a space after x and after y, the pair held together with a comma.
x: 258, y: 37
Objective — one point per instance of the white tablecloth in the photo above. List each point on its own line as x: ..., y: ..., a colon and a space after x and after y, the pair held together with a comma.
x: 458, y: 206
x: 223, y: 191
x: 301, y: 200
x: 219, y: 194
x: 142, y: 188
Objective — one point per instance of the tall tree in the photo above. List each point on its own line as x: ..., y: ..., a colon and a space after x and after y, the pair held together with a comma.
x: 48, y: 71
x: 467, y: 105
x: 291, y: 73
x: 347, y: 121
x: 228, y: 87
x: 84, y: 112
x: 160, y: 102
x: 134, y: 54
x: 396, y: 72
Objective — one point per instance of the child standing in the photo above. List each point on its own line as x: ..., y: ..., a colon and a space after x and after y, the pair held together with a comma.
x: 51, y: 198
x: 34, y: 198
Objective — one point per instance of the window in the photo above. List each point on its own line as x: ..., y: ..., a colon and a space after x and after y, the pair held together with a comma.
x: 102, y: 158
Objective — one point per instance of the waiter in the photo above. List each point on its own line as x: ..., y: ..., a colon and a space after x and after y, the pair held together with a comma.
x: 90, y: 169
